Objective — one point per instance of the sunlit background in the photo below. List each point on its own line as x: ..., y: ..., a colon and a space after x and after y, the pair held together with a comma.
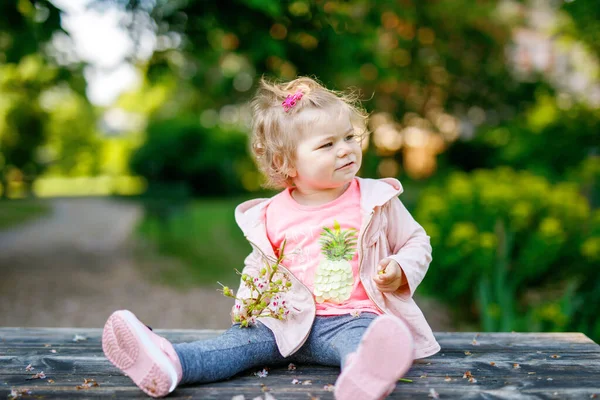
x: 123, y: 150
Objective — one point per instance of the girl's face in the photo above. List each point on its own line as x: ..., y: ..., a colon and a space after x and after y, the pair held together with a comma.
x: 328, y: 155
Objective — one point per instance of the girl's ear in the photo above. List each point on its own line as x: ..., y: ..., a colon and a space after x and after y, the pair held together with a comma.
x: 284, y: 166
x: 292, y: 173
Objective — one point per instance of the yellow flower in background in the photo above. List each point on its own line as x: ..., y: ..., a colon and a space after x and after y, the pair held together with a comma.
x: 581, y: 209
x: 563, y: 194
x: 552, y: 312
x: 533, y: 187
x: 505, y: 174
x: 551, y: 228
x: 431, y: 206
x: 498, y: 195
x: 462, y: 232
x: 590, y: 249
x: 521, y: 214
x: 488, y: 240
x: 460, y: 188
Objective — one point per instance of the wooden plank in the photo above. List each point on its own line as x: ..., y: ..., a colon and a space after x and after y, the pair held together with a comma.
x: 504, y: 364
x: 529, y: 341
x: 581, y: 374
x: 301, y: 394
x: 279, y: 385
x: 305, y: 393
x: 527, y: 338
x: 98, y: 366
x: 551, y: 365
x: 450, y: 341
x: 65, y: 336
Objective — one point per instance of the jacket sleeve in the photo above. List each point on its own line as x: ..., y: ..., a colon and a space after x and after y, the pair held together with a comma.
x: 409, y: 245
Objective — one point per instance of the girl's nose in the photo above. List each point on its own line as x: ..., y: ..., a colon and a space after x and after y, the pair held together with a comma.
x: 343, y: 150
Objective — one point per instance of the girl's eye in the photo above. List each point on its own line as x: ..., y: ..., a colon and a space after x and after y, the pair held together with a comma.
x: 326, y: 145
x: 350, y: 137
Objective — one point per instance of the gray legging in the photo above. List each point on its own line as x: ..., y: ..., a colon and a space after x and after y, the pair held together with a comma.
x: 331, y: 339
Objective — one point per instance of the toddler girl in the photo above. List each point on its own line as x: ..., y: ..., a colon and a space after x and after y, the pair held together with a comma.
x: 353, y: 253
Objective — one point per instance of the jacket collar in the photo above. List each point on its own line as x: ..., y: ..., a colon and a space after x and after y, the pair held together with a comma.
x: 373, y: 193
x: 377, y: 192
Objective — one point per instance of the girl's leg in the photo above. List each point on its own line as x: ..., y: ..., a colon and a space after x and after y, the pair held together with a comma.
x: 384, y: 354
x: 156, y: 366
x: 236, y: 350
x: 333, y: 338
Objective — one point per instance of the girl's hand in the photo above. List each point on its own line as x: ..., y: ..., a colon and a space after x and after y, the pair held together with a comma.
x: 389, y: 275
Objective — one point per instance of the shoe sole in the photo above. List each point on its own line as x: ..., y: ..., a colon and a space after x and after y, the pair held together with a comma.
x: 127, y: 345
x: 375, y: 376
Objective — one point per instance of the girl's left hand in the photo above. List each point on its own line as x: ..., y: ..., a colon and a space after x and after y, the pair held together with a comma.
x: 391, y: 278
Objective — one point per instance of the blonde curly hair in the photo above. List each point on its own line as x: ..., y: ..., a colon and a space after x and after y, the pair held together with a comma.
x: 275, y: 132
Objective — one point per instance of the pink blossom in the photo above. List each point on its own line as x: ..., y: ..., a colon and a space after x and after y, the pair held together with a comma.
x: 240, y: 309
x: 278, y: 305
x: 261, y: 283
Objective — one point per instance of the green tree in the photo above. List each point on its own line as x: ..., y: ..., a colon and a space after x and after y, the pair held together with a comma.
x: 25, y: 27
x: 413, y: 55
x: 586, y: 15
x: 38, y: 127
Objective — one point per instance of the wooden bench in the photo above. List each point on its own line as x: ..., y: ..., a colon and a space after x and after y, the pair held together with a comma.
x: 500, y: 365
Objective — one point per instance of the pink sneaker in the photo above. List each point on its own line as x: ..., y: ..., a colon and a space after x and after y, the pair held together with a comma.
x: 148, y: 359
x: 384, y: 355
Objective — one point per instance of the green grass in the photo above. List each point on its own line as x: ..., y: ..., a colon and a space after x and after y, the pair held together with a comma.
x: 16, y: 212
x: 203, y: 236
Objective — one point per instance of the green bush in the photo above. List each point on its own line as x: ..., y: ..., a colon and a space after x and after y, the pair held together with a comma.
x: 512, y: 250
x: 543, y: 138
x: 179, y: 155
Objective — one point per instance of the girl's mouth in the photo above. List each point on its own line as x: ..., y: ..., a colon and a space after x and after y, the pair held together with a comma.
x: 347, y: 165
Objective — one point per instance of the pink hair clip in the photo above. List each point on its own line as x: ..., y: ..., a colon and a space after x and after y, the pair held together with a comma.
x: 291, y: 100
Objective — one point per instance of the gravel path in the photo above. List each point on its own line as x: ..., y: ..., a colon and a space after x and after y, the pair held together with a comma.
x: 95, y: 226
x: 76, y: 266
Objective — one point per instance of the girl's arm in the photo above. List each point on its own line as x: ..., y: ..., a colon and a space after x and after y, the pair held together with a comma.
x: 409, y: 245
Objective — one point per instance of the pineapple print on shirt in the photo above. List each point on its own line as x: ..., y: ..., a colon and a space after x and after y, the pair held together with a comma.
x: 334, y: 279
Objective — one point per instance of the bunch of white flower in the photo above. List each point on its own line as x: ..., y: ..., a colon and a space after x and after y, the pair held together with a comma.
x: 267, y: 293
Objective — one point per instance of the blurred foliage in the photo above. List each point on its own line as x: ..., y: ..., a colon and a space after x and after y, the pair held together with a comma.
x: 560, y: 144
x: 414, y: 55
x: 181, y: 153
x: 587, y: 15
x: 45, y: 117
x: 544, y: 139
x: 25, y: 27
x: 520, y: 250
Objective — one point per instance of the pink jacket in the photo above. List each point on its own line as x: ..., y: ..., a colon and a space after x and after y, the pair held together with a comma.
x: 388, y: 230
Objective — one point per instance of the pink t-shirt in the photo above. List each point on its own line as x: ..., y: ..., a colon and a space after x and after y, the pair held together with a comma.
x: 321, y: 248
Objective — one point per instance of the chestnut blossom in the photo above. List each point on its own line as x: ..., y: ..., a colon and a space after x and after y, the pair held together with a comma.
x: 266, y: 296
x: 278, y: 305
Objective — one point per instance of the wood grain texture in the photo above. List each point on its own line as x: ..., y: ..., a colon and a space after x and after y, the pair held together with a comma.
x: 505, y: 366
